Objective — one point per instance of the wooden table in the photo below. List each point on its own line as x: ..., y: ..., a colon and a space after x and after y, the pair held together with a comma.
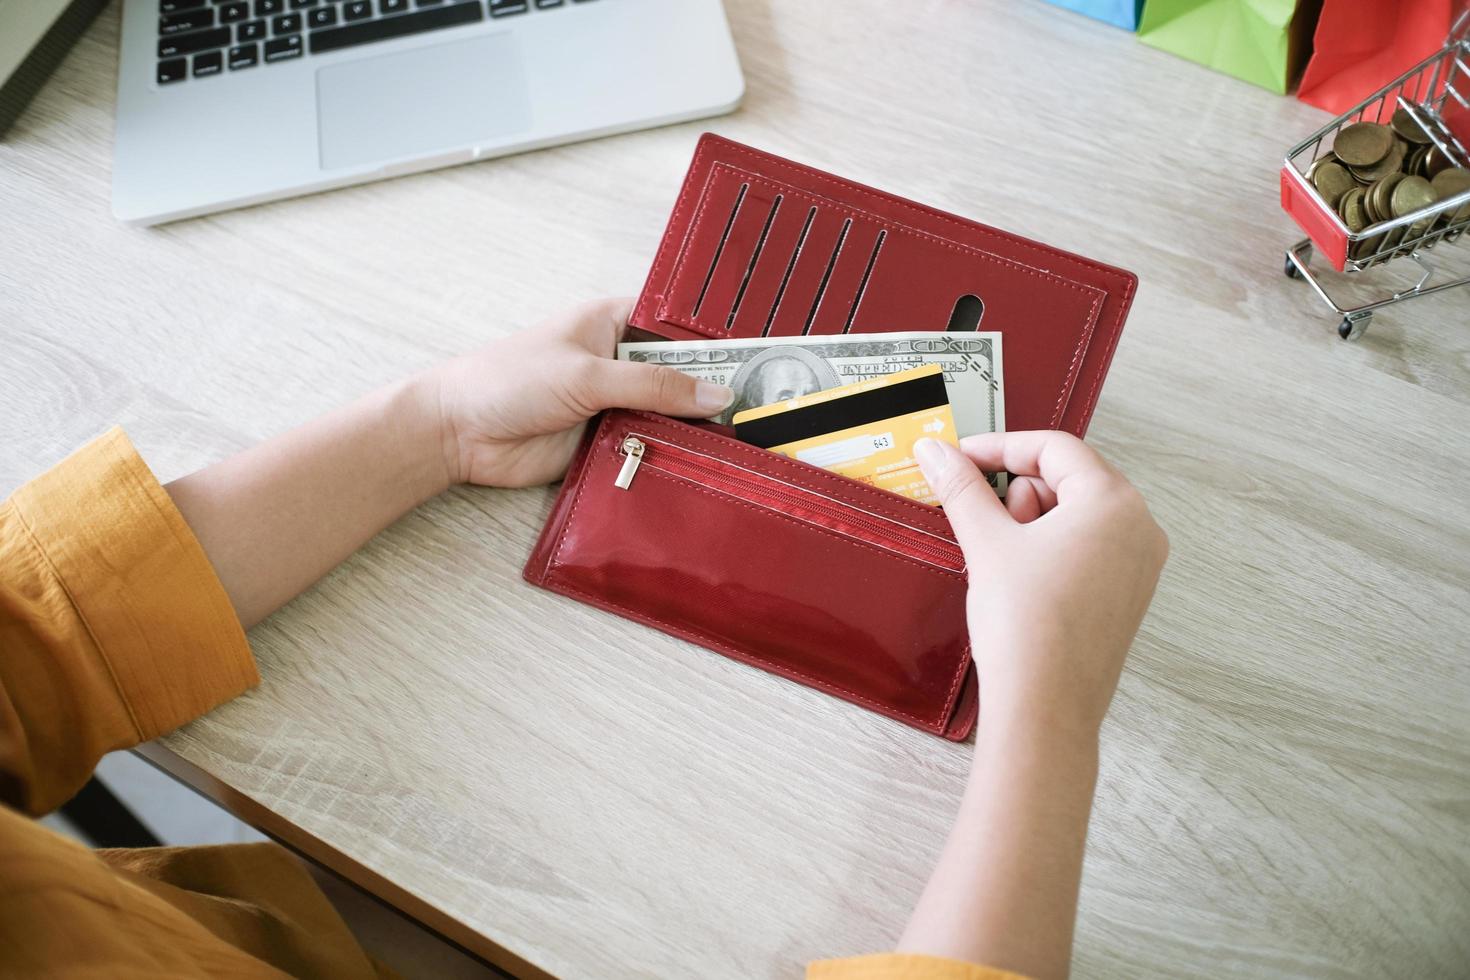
x: 1286, y: 780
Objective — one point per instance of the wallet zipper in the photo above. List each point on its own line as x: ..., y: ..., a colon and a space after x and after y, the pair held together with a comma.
x: 758, y: 488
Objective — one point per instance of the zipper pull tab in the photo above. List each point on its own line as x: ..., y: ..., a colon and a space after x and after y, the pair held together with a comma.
x: 633, y: 455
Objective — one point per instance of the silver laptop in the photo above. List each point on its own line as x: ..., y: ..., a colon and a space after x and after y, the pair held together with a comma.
x: 224, y: 103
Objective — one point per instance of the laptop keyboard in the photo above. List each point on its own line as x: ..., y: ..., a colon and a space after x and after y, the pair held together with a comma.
x: 199, y: 38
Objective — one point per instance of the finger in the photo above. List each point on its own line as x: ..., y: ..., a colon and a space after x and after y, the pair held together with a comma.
x: 599, y: 325
x: 654, y: 388
x: 968, y: 501
x: 1028, y: 497
x: 1022, y: 502
x: 1056, y: 457
x: 618, y: 310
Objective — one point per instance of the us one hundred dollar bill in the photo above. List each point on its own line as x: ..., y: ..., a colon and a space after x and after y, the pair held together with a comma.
x: 772, y: 369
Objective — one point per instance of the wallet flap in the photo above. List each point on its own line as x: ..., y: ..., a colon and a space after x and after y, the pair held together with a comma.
x: 760, y: 246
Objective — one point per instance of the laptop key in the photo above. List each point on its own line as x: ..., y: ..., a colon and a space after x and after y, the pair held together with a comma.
x: 389, y: 27
x: 282, y: 48
x: 504, y: 8
x: 356, y: 10
x: 322, y: 16
x: 244, y: 56
x: 251, y: 30
x: 302, y: 4
x: 269, y: 8
x: 174, y: 6
x: 286, y: 24
x: 392, y: 6
x: 179, y: 44
x: 543, y: 4
x: 187, y: 20
x: 173, y: 70
x: 428, y: 3
x: 232, y: 13
x: 208, y: 63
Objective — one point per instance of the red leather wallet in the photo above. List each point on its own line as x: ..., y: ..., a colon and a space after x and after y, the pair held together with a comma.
x: 770, y: 561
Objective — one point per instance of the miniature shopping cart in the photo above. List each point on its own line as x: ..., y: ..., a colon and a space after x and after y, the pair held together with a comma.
x: 1436, y: 95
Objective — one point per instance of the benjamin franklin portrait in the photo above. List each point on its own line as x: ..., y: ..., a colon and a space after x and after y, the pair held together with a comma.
x: 778, y: 373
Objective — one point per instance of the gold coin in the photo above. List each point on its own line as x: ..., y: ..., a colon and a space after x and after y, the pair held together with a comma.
x: 1405, y: 126
x: 1435, y: 162
x: 1411, y: 194
x: 1392, y: 162
x: 1414, y: 162
x: 1379, y: 196
x: 1449, y: 183
x: 1351, y: 210
x: 1332, y: 181
x: 1368, y: 246
x: 1370, y: 199
x: 1363, y: 144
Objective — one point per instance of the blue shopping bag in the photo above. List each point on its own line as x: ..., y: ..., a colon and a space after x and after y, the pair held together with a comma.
x: 1120, y: 13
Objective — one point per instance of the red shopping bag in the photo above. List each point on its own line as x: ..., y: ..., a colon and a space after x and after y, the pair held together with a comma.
x: 1362, y: 45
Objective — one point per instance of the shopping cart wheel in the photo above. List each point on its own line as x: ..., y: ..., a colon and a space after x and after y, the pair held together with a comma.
x: 1292, y: 272
x: 1352, y: 326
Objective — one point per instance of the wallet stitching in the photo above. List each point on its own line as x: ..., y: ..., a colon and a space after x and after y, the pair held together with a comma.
x: 801, y: 169
x: 667, y: 244
x: 694, y: 226
x: 927, y: 566
x: 1128, y: 282
x: 583, y: 480
x: 1083, y: 337
x: 1071, y: 379
x: 793, y: 470
x: 757, y: 159
x: 1107, y: 357
x: 954, y: 246
x: 769, y: 182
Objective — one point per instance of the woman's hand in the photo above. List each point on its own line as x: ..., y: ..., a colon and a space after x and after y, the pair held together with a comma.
x: 512, y: 412
x: 1061, y: 573
x: 1060, y: 577
x: 276, y: 517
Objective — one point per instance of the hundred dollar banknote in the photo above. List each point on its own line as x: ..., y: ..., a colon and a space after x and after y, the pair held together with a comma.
x: 763, y: 370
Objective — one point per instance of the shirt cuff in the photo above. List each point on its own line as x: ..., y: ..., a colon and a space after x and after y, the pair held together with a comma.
x: 903, y: 966
x: 140, y: 582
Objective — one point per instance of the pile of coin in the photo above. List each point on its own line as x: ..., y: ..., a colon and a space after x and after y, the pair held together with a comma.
x: 1377, y: 173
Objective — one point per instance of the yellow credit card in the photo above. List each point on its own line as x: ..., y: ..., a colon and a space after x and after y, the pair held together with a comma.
x: 864, y: 431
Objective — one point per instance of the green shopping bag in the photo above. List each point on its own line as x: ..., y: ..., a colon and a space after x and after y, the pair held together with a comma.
x: 1264, y: 42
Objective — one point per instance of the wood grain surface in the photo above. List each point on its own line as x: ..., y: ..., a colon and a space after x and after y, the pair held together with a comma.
x: 1286, y: 776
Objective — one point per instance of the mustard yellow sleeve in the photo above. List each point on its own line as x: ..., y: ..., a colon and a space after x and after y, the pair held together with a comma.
x: 114, y: 628
x: 903, y: 966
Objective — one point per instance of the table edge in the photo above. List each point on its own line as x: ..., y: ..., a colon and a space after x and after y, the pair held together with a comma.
x: 309, y: 847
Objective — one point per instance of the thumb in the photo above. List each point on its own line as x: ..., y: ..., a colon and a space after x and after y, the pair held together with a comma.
x: 656, y: 388
x: 968, y: 501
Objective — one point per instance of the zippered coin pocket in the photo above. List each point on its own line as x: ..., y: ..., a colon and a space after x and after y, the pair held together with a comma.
x: 767, y: 560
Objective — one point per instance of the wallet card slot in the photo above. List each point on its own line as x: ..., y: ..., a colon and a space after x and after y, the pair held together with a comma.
x: 750, y: 266
x: 714, y: 262
x: 862, y: 287
x: 795, y: 254
x: 801, y: 503
x: 826, y: 279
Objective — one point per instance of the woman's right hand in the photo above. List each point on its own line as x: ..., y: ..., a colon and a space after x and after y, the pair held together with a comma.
x: 1060, y: 573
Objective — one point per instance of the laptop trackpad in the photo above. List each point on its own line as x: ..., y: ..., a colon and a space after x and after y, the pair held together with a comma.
x: 441, y: 97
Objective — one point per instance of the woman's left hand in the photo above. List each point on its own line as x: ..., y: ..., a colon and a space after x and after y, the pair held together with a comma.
x: 512, y: 412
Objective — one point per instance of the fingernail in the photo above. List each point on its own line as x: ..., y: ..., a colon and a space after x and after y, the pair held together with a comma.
x: 712, y: 398
x: 931, y: 456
